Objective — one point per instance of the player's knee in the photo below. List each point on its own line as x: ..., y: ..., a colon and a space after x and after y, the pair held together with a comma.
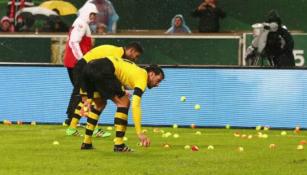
x: 100, y: 104
x: 123, y: 102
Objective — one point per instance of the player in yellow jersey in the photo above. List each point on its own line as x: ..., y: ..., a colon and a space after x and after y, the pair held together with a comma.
x: 103, y: 79
x: 131, y: 51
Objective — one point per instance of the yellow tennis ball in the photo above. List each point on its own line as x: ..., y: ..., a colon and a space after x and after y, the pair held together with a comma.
x: 183, y: 98
x: 197, y: 107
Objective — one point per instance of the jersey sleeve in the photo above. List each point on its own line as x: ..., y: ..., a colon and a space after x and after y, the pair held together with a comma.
x: 139, y: 89
x: 136, y: 109
x: 75, y: 38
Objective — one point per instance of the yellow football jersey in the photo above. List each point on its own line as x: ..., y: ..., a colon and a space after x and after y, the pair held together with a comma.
x: 104, y: 51
x: 129, y: 74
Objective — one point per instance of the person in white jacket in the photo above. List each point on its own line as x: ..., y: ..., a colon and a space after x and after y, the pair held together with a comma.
x: 79, y: 42
x: 106, y: 15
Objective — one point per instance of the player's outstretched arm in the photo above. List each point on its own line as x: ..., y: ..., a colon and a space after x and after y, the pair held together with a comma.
x: 137, y: 116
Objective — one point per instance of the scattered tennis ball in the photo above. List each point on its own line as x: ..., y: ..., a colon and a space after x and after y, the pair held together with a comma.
x: 193, y: 126
x: 297, y: 130
x: 258, y: 128
x: 210, y: 147
x: 125, y: 138
x: 260, y: 134
x: 187, y: 147
x: 272, y: 146
x: 283, y: 133
x: 250, y: 136
x: 236, y: 134
x: 303, y: 142
x: 183, y: 98
x: 109, y: 128
x: 300, y: 147
x: 144, y: 131
x: 227, y: 126
x: 265, y: 136
x: 55, y: 142
x: 240, y: 149
x: 176, y: 136
x: 194, y: 148
x: 7, y: 122
x: 266, y: 128
x: 168, y: 133
x: 197, y: 107
x: 166, y: 146
x: 197, y: 133
x: 175, y: 126
x: 243, y: 136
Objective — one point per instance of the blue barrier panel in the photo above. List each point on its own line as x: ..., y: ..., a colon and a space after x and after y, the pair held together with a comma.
x: 239, y: 97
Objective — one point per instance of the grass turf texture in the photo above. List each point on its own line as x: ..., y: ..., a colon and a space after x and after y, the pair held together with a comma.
x: 29, y: 149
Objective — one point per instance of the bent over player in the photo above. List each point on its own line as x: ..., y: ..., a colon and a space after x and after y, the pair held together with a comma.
x: 131, y: 51
x: 103, y: 79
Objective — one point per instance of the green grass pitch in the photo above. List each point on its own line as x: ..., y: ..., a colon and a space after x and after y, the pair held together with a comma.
x: 29, y: 150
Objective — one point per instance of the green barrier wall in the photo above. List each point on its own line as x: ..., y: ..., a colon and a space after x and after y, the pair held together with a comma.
x: 25, y: 50
x: 300, y: 47
x: 200, y: 51
x: 184, y: 51
x: 158, y: 50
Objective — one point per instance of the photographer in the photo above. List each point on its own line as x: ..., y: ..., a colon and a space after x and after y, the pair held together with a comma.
x: 272, y: 41
x: 279, y: 44
x: 209, y: 15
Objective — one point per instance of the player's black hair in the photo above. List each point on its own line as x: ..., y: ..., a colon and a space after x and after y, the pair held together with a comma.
x: 136, y: 46
x: 156, y: 69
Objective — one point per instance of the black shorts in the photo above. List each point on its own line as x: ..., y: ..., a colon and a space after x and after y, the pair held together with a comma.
x: 99, y: 76
x: 77, y: 72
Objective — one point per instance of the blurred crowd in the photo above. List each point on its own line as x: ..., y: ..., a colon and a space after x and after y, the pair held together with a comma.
x: 19, y: 20
x: 23, y: 16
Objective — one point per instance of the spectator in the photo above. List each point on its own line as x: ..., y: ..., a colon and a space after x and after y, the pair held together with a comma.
x: 20, y: 24
x: 57, y: 25
x: 279, y: 44
x: 13, y: 6
x: 209, y: 15
x: 5, y: 24
x: 101, y: 29
x: 106, y: 15
x: 178, y: 25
